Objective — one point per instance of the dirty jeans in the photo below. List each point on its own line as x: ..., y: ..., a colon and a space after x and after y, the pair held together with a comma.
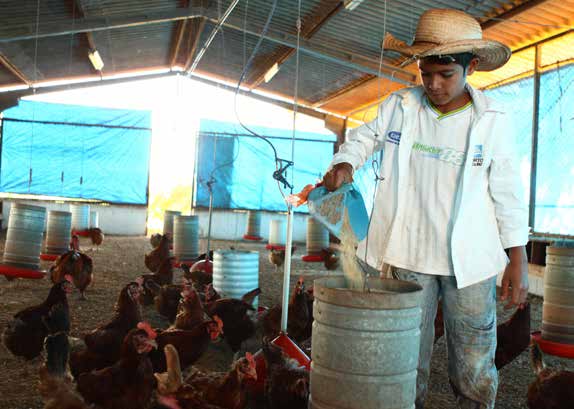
x: 470, y: 328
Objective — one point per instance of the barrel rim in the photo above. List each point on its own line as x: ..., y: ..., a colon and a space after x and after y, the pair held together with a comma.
x: 225, y: 252
x: 28, y: 207
x: 560, y: 251
x: 191, y: 217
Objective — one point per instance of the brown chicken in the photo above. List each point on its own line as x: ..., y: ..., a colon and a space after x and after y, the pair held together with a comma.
x: 286, y: 384
x: 277, y: 257
x: 298, y: 318
x: 190, y: 310
x: 552, y: 389
x: 96, y: 236
x: 157, y: 256
x: 197, y: 272
x: 129, y: 383
x: 163, y: 276
x: 330, y: 259
x: 512, y: 337
x: 76, y: 264
x: 167, y: 297
x: 154, y: 240
x: 24, y: 335
x: 190, y: 344
x: 237, y: 324
x: 105, y: 342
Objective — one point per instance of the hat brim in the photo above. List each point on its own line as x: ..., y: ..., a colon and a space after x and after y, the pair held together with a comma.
x: 491, y: 54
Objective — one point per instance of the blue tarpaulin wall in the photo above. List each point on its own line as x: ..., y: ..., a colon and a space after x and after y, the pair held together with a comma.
x: 76, y: 152
x: 242, y: 165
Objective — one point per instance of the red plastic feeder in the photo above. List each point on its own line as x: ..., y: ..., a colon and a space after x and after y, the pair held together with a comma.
x: 49, y: 257
x: 20, y: 272
x: 553, y: 348
x: 290, y: 348
x: 313, y: 258
x: 253, y: 238
x: 203, y: 265
x: 81, y: 233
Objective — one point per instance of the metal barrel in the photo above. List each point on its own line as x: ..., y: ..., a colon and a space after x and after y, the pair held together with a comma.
x: 235, y: 272
x: 58, y: 232
x: 168, y: 216
x: 80, y: 216
x: 186, y: 238
x: 558, y: 306
x: 365, y: 345
x: 277, y: 232
x: 24, y: 236
x: 94, y: 219
x: 253, y: 223
x: 317, y: 237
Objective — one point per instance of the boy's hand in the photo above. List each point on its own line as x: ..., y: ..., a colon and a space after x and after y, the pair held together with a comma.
x: 339, y: 174
x: 515, y: 279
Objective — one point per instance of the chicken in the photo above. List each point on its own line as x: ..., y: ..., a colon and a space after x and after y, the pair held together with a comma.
x: 286, y: 384
x: 105, y: 342
x: 330, y: 259
x: 226, y: 390
x: 129, y: 383
x: 157, y: 256
x: 197, y: 273
x: 167, y: 297
x: 552, y: 389
x: 163, y: 276
x: 154, y: 240
x: 76, y: 264
x: 190, y: 310
x: 512, y: 337
x: 190, y: 344
x: 209, y: 294
x: 237, y: 324
x: 24, y: 335
x: 96, y: 236
x: 298, y: 319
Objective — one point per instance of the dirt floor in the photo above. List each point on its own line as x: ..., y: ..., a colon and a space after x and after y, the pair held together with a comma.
x: 120, y: 259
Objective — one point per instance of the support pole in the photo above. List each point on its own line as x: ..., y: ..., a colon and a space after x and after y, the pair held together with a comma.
x: 287, y: 270
x: 534, y: 152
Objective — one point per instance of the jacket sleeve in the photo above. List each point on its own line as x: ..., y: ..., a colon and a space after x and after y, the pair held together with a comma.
x: 506, y: 187
x: 362, y: 142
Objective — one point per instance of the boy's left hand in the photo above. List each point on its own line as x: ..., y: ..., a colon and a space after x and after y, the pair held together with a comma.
x: 515, y: 279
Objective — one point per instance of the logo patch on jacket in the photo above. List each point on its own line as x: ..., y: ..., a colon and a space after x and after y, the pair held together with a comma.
x: 394, y: 137
x: 477, y: 158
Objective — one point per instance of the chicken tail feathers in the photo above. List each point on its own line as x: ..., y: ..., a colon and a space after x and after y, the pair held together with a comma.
x: 249, y: 297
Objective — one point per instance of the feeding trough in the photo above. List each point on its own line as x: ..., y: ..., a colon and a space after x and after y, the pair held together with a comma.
x: 253, y: 232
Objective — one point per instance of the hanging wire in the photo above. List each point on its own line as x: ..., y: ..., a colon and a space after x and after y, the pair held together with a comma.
x: 34, y: 92
x: 295, y: 96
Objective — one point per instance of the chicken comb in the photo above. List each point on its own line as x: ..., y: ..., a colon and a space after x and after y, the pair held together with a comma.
x: 219, y: 322
x: 68, y: 278
x: 250, y: 359
x: 148, y: 329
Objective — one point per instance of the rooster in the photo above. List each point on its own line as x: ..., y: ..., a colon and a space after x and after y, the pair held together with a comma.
x: 552, y: 389
x: 76, y: 264
x: 129, y: 383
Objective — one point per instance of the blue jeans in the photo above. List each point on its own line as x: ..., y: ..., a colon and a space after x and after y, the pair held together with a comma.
x: 470, y: 328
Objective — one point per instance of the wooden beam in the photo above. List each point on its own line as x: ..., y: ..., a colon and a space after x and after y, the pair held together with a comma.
x: 343, y: 90
x: 80, y: 11
x: 178, y: 37
x: 308, y: 29
x: 498, y: 19
x: 195, y: 30
x: 13, y: 69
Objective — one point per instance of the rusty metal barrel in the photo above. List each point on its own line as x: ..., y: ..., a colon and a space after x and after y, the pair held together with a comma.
x: 186, y: 238
x: 80, y: 216
x: 168, y: 216
x: 235, y: 272
x: 24, y: 236
x: 558, y: 307
x: 58, y: 233
x: 253, y: 224
x: 365, y: 345
x: 317, y: 237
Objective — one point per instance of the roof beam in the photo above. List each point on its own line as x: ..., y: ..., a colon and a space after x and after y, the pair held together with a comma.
x: 494, y: 20
x: 343, y: 90
x: 91, y: 24
x: 361, y: 63
x: 195, y: 30
x: 308, y: 29
x: 13, y: 69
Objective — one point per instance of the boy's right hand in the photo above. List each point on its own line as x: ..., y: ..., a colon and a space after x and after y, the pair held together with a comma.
x: 339, y: 174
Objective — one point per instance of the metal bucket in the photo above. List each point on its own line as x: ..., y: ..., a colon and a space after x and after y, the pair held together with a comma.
x: 235, y: 272
x: 365, y: 345
x: 186, y: 238
x: 58, y: 232
x: 24, y: 236
x: 168, y: 216
x: 317, y: 237
x: 94, y: 219
x: 80, y: 216
x: 277, y: 232
x: 558, y: 307
x: 253, y: 223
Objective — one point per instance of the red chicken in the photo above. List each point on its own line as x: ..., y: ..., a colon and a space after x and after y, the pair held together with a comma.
x: 76, y: 264
x: 24, y: 335
x: 190, y: 344
x: 105, y: 342
x: 552, y: 389
x: 96, y: 236
x: 163, y: 276
x: 129, y: 383
x: 167, y: 297
x: 157, y: 256
x: 277, y: 257
x: 298, y: 319
x: 190, y: 310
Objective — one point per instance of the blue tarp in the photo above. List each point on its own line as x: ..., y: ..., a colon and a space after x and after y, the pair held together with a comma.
x: 244, y: 164
x: 76, y: 152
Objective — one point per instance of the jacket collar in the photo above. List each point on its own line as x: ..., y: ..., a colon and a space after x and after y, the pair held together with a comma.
x: 411, y: 97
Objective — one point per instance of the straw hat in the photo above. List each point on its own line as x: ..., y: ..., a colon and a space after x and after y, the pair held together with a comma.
x: 447, y: 31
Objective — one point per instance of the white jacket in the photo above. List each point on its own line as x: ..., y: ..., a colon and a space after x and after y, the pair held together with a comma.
x: 490, y: 214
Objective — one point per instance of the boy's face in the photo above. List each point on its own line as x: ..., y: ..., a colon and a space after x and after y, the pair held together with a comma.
x: 444, y: 84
